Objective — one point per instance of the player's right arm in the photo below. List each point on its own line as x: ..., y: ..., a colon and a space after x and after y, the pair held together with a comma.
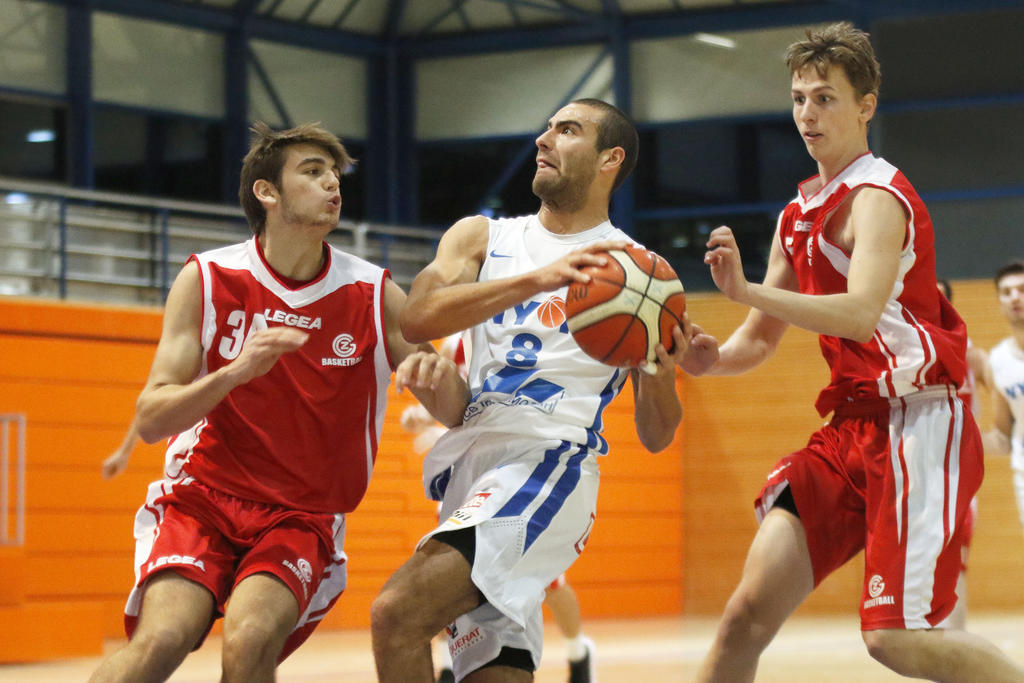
x: 756, y: 339
x: 171, y: 401
x: 446, y: 297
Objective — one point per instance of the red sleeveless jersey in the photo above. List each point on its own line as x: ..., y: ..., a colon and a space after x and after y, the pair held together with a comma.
x: 920, y: 339
x: 305, y: 434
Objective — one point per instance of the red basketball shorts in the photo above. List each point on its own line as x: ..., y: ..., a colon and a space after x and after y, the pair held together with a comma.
x: 218, y: 540
x: 895, y: 478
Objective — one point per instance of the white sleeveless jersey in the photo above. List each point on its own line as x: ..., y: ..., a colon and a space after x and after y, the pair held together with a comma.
x: 1007, y: 363
x: 527, y: 375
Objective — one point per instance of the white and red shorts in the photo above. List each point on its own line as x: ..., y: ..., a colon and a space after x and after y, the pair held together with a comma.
x: 895, y: 478
x: 217, y: 540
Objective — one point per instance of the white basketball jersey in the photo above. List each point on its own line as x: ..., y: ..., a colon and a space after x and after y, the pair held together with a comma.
x: 1007, y: 363
x: 527, y: 375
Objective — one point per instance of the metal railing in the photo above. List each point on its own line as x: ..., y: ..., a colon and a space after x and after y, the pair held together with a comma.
x: 18, y: 421
x: 61, y: 242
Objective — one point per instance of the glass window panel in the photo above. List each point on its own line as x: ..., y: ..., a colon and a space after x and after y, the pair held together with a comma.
x: 686, y: 78
x: 693, y: 164
x: 681, y: 242
x: 33, y: 140
x: 455, y: 178
x: 32, y: 51
x: 973, y: 238
x: 158, y: 155
x: 951, y: 56
x: 313, y: 85
x: 157, y: 66
x: 353, y: 185
x: 955, y: 148
x: 504, y: 93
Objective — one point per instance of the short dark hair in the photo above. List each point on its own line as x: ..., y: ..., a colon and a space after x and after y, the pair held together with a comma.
x: 615, y: 129
x: 843, y: 45
x: 1011, y: 268
x: 266, y: 158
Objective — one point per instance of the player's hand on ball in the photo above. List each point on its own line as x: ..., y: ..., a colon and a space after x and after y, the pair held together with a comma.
x: 568, y: 269
x: 701, y: 351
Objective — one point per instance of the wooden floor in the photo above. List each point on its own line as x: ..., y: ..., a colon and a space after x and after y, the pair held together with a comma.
x: 807, y: 650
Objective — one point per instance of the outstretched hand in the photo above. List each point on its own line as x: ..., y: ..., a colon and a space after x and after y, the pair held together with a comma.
x: 723, y: 256
x: 701, y: 352
x: 115, y: 463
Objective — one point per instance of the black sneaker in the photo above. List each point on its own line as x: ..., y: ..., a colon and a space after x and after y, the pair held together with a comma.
x: 584, y: 670
x: 446, y: 676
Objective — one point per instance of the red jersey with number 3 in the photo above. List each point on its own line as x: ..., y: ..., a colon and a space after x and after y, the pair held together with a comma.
x: 305, y: 434
x: 920, y: 339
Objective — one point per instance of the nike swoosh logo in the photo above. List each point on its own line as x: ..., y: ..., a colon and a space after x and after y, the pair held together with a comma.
x: 495, y: 254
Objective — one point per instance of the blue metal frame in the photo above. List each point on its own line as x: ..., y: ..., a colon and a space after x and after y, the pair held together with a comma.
x: 275, y: 98
x: 78, y: 31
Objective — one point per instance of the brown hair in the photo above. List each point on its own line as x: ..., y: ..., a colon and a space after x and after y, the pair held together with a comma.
x: 1011, y: 268
x: 615, y: 129
x: 843, y: 45
x: 267, y: 151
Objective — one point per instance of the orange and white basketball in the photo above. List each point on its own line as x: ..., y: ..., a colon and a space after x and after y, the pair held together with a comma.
x: 629, y: 306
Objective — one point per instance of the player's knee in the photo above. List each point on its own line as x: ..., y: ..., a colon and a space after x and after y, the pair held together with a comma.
x: 386, y: 614
x: 884, y: 647
x: 747, y: 620
x: 162, y: 644
x: 250, y: 642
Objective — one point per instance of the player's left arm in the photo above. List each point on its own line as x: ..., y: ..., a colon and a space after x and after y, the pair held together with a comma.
x: 432, y: 378
x: 977, y: 360
x: 877, y: 225
x: 657, y: 410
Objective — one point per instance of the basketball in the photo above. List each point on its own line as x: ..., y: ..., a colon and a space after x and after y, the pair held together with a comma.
x: 629, y: 306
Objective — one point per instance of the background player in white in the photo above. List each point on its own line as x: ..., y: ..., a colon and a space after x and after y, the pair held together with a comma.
x: 1006, y: 372
x: 559, y: 596
x: 271, y: 376
x: 975, y: 379
x: 519, y: 477
x: 896, y: 467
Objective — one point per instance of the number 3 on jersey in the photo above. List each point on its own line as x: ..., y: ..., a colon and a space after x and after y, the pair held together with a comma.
x: 231, y: 344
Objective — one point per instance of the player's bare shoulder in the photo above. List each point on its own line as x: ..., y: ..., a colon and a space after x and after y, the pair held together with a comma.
x: 467, y: 238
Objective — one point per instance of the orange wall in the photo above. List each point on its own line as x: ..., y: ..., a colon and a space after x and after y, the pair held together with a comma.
x: 75, y: 372
x: 672, y: 528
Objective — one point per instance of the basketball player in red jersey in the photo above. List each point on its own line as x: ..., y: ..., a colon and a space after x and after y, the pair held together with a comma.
x: 270, y: 378
x: 895, y: 469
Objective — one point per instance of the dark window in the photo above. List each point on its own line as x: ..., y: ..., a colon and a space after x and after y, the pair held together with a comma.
x: 455, y: 178
x: 682, y: 243
x: 33, y: 140
x: 353, y: 185
x: 158, y: 154
x: 711, y: 163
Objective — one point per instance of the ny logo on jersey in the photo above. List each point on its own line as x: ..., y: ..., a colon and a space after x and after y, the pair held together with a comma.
x: 1013, y: 390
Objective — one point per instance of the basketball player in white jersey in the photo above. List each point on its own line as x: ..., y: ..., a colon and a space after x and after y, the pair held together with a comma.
x: 559, y: 596
x: 1006, y: 372
x: 975, y: 379
x: 895, y: 469
x: 270, y: 381
x: 519, y: 477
